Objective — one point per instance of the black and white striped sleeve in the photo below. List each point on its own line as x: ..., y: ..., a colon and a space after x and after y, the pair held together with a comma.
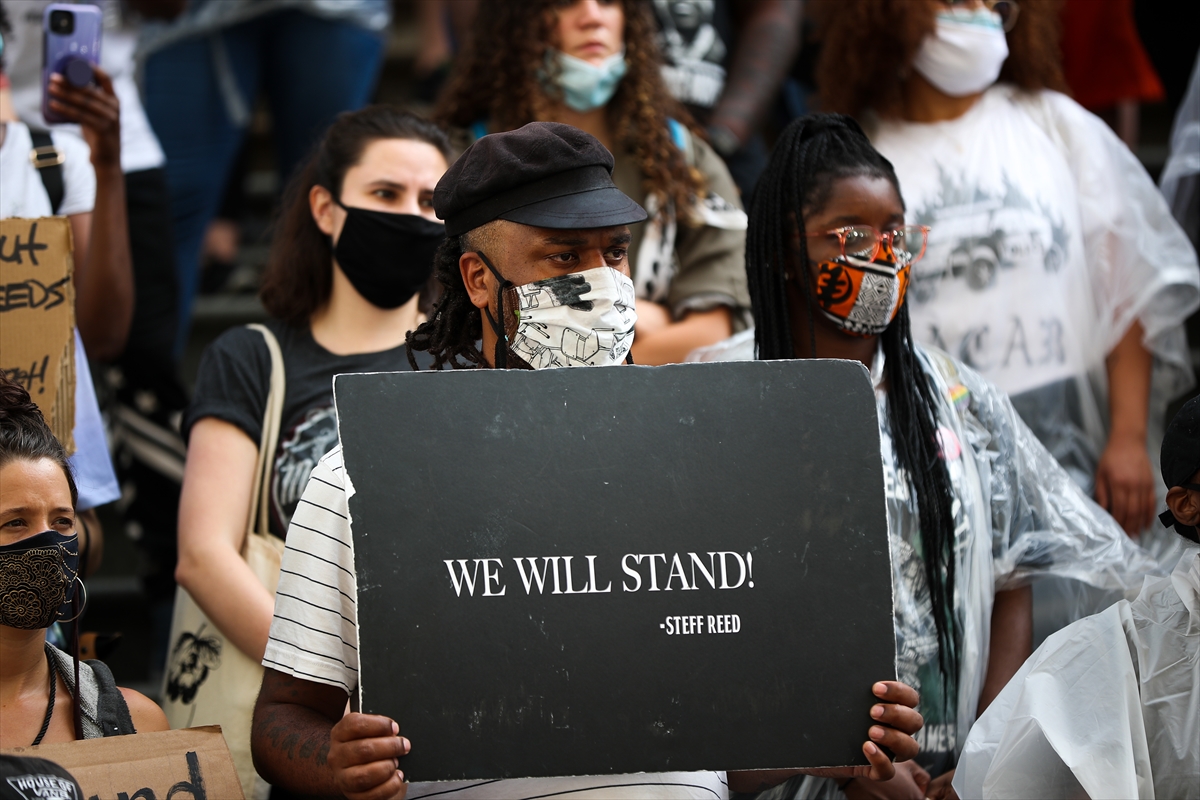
x: 314, y: 635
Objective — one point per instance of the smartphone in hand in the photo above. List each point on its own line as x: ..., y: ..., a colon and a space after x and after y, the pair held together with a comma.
x: 70, y: 47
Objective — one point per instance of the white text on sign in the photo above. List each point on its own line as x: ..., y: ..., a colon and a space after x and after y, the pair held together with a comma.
x: 690, y: 624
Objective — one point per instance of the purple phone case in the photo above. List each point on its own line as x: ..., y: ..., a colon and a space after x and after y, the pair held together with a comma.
x: 58, y: 50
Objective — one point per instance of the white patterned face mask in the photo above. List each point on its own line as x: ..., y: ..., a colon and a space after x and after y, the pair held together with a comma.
x: 584, y: 319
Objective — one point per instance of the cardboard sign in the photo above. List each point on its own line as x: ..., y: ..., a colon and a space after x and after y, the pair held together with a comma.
x: 631, y: 569
x: 190, y: 764
x: 37, y: 316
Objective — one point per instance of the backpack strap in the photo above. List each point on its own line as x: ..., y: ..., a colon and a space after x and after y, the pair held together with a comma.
x: 112, y: 712
x: 48, y: 160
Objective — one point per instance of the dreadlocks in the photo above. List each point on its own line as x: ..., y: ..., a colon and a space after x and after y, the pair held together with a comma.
x: 810, y: 155
x: 455, y: 326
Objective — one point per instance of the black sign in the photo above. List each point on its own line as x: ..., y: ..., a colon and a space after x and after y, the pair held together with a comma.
x: 618, y: 570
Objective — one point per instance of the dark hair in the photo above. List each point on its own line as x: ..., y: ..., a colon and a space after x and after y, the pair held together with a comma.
x: 299, y: 273
x: 455, y: 325
x: 496, y: 79
x: 810, y: 155
x: 856, y: 71
x: 24, y: 434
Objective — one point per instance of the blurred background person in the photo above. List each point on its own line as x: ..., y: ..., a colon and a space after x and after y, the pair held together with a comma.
x: 353, y: 248
x: 1054, y: 266
x: 203, y: 71
x: 594, y: 64
x: 726, y: 62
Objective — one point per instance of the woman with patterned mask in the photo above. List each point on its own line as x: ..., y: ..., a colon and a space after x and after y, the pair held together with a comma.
x: 46, y: 695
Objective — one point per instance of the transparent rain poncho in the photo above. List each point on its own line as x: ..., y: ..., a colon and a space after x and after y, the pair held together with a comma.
x: 1019, y: 517
x: 1048, y: 241
x: 1107, y: 707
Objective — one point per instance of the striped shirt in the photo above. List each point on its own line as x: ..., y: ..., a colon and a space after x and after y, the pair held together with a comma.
x: 314, y: 636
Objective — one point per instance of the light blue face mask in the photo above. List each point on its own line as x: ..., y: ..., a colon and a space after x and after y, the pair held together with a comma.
x: 586, y: 86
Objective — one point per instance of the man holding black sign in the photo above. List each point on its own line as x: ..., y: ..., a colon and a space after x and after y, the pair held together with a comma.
x: 536, y: 248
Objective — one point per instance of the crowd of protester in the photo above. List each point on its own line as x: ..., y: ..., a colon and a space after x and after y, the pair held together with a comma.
x: 992, y: 252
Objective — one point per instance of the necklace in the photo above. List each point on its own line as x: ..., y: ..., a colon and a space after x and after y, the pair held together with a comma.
x: 49, y: 705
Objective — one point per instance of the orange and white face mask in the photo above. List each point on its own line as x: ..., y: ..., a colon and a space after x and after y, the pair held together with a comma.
x: 861, y: 297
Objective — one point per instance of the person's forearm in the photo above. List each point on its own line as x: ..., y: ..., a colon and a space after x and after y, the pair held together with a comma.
x: 290, y: 744
x: 1128, y: 367
x: 229, y: 593
x: 104, y: 275
x: 671, y: 345
x: 766, y: 47
x: 1011, y: 642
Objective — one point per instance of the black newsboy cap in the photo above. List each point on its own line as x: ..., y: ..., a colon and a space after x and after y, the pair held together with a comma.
x: 545, y: 174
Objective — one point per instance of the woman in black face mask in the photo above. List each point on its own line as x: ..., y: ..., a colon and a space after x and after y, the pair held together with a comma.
x: 39, y: 563
x: 351, y: 256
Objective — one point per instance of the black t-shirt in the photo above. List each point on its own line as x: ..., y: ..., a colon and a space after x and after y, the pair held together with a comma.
x: 235, y: 378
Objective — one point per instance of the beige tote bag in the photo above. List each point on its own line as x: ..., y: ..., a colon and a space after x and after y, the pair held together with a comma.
x: 208, y: 680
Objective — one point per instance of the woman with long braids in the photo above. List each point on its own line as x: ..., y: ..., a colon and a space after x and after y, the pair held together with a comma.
x: 976, y: 506
x: 47, y: 695
x: 594, y: 64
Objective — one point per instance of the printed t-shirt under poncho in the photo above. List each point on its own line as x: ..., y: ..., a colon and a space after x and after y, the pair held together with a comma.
x: 1048, y: 240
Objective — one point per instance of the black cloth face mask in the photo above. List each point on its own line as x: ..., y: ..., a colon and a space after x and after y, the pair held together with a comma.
x: 387, y: 257
x: 37, y: 579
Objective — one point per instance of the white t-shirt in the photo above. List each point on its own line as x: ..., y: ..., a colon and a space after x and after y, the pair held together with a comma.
x: 314, y: 636
x: 24, y: 195
x: 140, y: 149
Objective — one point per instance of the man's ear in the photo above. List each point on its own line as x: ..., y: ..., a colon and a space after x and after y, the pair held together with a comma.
x: 475, y: 279
x: 1185, y: 505
x: 320, y: 203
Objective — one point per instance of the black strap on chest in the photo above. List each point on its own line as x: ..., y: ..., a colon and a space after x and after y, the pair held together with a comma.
x: 48, y: 160
x: 111, y: 710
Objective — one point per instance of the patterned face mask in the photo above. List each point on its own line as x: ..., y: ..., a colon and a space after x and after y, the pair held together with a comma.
x: 861, y: 297
x: 37, y: 579
x: 584, y: 319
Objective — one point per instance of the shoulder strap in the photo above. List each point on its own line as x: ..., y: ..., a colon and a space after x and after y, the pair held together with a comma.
x: 48, y: 159
x: 260, y: 519
x: 112, y: 712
